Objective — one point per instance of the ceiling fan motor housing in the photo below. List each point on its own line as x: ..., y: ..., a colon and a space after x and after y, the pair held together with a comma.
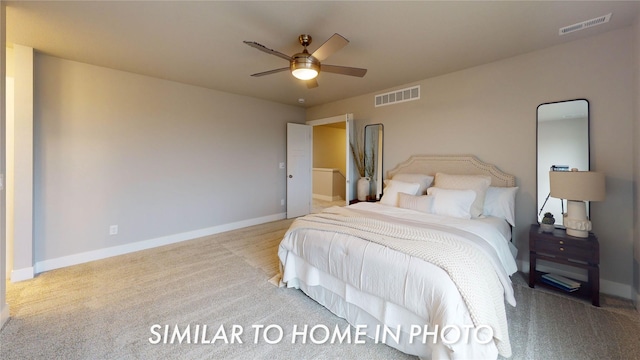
x: 304, y: 66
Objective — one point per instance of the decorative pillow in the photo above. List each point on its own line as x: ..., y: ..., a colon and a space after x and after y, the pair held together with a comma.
x: 500, y: 202
x: 455, y: 203
x: 393, y: 187
x: 423, y: 203
x: 424, y: 181
x: 478, y: 183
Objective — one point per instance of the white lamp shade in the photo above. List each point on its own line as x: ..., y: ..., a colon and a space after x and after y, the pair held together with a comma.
x: 577, y: 185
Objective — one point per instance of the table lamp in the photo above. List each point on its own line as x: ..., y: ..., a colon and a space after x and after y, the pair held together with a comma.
x: 577, y: 187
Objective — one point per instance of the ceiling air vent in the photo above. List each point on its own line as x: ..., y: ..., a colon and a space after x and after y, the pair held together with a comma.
x: 585, y: 24
x: 398, y: 96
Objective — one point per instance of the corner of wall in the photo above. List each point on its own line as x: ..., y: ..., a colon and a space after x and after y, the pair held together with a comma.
x: 4, y: 307
x: 22, y: 274
x: 4, y: 315
x: 636, y: 170
x: 635, y: 296
x: 22, y: 176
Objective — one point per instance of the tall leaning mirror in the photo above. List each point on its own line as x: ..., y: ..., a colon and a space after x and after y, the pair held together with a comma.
x: 563, y: 143
x: 373, y: 144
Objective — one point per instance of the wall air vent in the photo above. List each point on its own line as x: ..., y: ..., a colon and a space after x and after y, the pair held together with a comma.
x: 585, y: 24
x: 398, y: 96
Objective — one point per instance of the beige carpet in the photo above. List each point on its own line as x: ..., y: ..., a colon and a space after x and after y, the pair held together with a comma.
x: 546, y: 324
x: 105, y: 310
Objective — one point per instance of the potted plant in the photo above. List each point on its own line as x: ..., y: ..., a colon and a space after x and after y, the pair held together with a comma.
x: 365, y: 168
x: 547, y: 223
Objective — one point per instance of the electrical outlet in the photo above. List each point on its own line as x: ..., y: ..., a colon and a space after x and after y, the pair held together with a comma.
x: 281, y: 202
x: 113, y: 230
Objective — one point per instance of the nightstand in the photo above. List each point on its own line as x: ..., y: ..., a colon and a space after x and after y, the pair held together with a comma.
x: 558, y: 247
x: 355, y: 201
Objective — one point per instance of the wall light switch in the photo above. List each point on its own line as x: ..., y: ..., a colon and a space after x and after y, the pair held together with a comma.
x: 281, y: 165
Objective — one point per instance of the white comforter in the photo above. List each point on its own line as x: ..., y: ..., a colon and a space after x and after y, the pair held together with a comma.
x: 362, y: 280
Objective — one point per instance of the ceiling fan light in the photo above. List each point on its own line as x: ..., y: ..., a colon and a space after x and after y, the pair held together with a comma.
x: 304, y: 74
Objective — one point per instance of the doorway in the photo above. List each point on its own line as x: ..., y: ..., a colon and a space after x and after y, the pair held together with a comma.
x: 329, y: 166
x: 332, y: 162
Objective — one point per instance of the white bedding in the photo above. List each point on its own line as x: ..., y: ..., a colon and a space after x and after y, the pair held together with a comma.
x: 495, y: 231
x: 370, y: 284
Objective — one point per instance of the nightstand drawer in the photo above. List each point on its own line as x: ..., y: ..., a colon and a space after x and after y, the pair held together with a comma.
x: 556, y: 248
x: 565, y: 240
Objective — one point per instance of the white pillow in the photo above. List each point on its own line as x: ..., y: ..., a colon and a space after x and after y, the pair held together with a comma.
x: 423, y: 203
x: 424, y: 181
x: 454, y: 203
x: 477, y: 183
x: 393, y: 187
x: 500, y: 202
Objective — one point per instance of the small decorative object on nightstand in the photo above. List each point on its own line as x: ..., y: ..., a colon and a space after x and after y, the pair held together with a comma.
x: 558, y: 247
x: 548, y: 223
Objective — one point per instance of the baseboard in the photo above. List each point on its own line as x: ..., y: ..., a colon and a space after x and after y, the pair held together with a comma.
x: 4, y: 315
x: 64, y: 261
x: 606, y: 286
x: 327, y: 197
x: 22, y: 274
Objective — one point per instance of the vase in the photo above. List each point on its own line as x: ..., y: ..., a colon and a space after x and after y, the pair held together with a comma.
x: 363, y: 188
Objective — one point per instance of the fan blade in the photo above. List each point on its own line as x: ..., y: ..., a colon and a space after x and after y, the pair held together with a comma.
x: 343, y: 70
x: 260, y: 47
x: 270, y: 72
x: 335, y: 43
x: 313, y: 83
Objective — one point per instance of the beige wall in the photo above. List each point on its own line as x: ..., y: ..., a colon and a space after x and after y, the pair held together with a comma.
x: 20, y: 172
x: 157, y: 158
x: 4, y: 308
x: 328, y: 184
x: 636, y: 162
x: 10, y: 63
x: 490, y: 111
x: 329, y: 148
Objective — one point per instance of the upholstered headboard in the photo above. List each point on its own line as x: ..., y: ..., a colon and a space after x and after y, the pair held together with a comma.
x: 453, y: 164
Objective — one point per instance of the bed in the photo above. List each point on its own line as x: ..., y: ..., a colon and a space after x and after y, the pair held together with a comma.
x: 428, y: 266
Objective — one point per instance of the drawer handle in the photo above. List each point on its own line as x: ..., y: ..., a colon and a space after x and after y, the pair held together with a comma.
x: 561, y: 249
x: 561, y: 242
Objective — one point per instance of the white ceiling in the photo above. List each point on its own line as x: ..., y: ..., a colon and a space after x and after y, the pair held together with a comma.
x: 201, y: 43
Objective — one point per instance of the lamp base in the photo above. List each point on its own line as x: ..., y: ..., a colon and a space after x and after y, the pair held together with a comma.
x: 577, y: 233
x: 575, y: 220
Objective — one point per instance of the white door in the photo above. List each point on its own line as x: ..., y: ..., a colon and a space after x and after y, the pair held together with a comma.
x: 350, y: 189
x: 299, y: 151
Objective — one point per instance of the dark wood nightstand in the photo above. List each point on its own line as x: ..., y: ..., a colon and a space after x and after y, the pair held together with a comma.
x: 558, y: 247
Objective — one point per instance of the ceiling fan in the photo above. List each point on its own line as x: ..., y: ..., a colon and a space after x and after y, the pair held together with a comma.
x: 305, y: 66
